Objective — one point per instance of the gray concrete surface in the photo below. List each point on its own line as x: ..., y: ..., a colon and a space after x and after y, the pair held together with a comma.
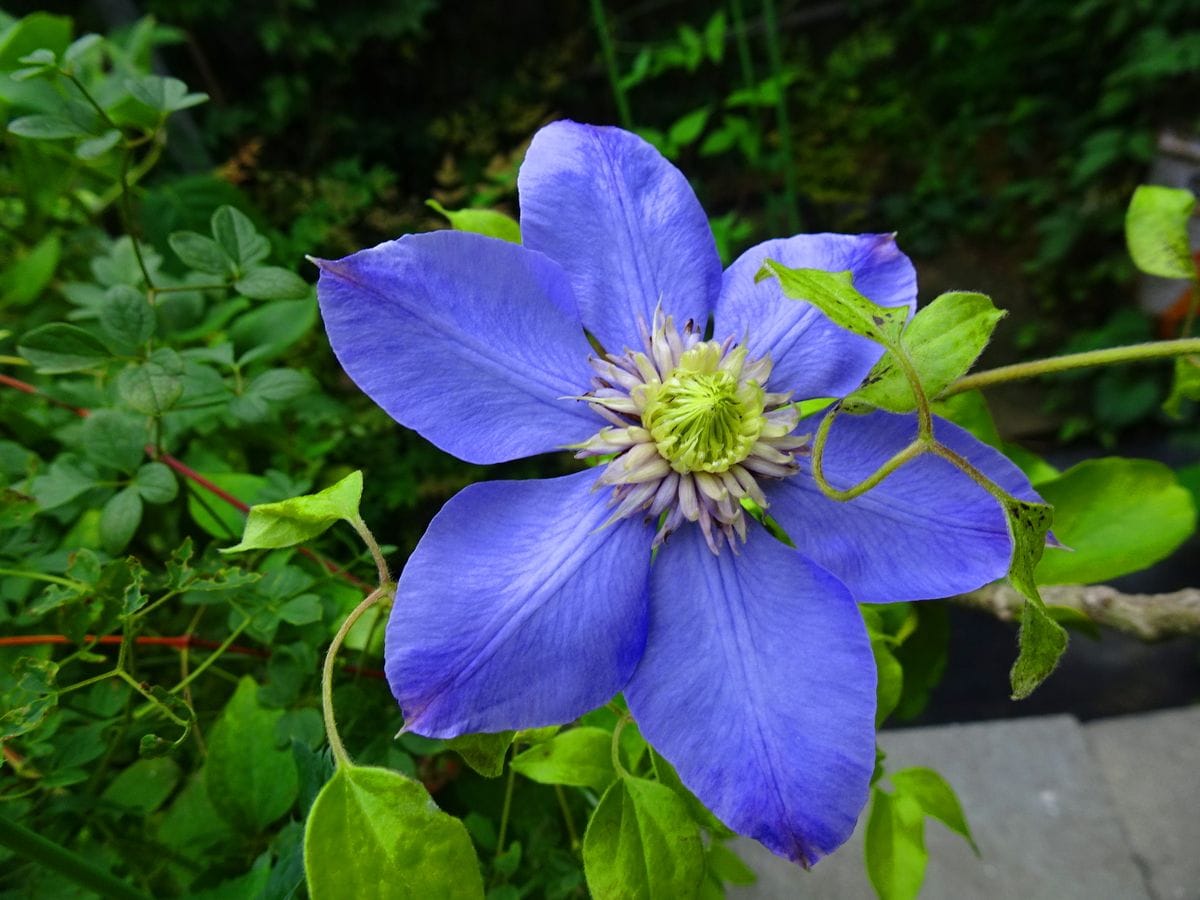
x: 1061, y: 811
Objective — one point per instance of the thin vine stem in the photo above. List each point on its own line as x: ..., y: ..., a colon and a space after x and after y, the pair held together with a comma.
x: 610, y: 63
x: 1109, y: 356
x: 341, y: 757
x: 909, y: 453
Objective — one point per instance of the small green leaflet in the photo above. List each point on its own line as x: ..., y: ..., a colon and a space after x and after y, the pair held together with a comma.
x: 642, y: 842
x: 943, y: 340
x: 374, y: 833
x: 581, y: 757
x: 1184, y: 386
x: 894, y: 846
x: 1042, y: 640
x: 58, y: 348
x: 487, y: 222
x: 1156, y: 231
x: 833, y: 293
x: 935, y: 797
x: 289, y: 522
x: 483, y: 752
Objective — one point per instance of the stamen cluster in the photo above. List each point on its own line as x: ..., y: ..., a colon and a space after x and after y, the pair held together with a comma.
x: 692, y: 431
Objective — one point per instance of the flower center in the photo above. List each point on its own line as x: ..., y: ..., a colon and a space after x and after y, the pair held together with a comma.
x: 701, y: 418
x: 691, y: 432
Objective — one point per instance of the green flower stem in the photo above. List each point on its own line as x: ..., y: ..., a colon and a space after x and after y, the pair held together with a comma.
x: 610, y: 63
x: 73, y: 866
x: 127, y: 215
x: 743, y: 43
x: 775, y: 57
x: 506, y: 809
x: 568, y: 819
x: 341, y: 757
x: 912, y: 451
x: 42, y: 576
x: 381, y: 566
x: 1107, y: 357
x: 618, y: 766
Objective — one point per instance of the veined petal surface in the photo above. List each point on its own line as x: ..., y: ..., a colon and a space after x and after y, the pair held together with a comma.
x: 758, y: 685
x: 517, y: 609
x: 624, y: 223
x: 469, y: 340
x: 812, y: 356
x: 926, y: 531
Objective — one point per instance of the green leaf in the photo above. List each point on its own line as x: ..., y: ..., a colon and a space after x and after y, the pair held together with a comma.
x: 114, y: 439
x: 1117, y: 516
x: 1185, y: 385
x: 27, y: 276
x: 581, y: 757
x: 890, y: 685
x: 943, y: 341
x: 33, y: 698
x: 688, y: 128
x: 250, y: 783
x: 289, y: 522
x: 1040, y: 644
x: 143, y: 786
x: 833, y: 293
x: 641, y: 842
x: 374, y: 833
x: 268, y: 390
x: 728, y: 866
x: 80, y: 47
x: 1041, y: 641
x: 483, y: 752
x: 93, y: 148
x: 156, y: 483
x: 487, y: 222
x: 47, y: 127
x: 58, y: 348
x: 272, y: 283
x: 16, y: 508
x: 164, y: 95
x: 239, y: 238
x: 126, y: 318
x: 152, y: 387
x: 895, y: 846
x: 1156, y: 231
x: 200, y: 253
x: 302, y: 610
x: 935, y: 797
x: 120, y: 518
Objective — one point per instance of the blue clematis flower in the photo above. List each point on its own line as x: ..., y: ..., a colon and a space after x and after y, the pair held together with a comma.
x: 745, y: 662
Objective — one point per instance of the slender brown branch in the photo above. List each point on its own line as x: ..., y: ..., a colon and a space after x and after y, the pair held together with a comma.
x: 1151, y: 617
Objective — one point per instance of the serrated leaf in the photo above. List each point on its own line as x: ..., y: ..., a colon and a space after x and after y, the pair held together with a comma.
x: 943, y: 341
x: 272, y: 283
x: 833, y: 293
x: 483, y: 752
x: 641, y: 842
x: 935, y: 797
x: 238, y: 237
x: 1156, y: 231
x: 57, y: 348
x: 1041, y: 641
x: 894, y: 846
x: 152, y: 387
x: 251, y: 783
x: 1117, y: 516
x: 156, y: 483
x: 200, y: 253
x: 289, y: 522
x: 119, y: 519
x: 126, y: 318
x: 488, y: 222
x: 374, y: 833
x: 581, y: 757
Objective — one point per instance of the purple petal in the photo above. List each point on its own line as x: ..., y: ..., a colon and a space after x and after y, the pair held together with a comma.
x: 624, y: 223
x: 469, y: 340
x: 758, y: 685
x: 517, y: 609
x: 812, y: 356
x: 926, y: 531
